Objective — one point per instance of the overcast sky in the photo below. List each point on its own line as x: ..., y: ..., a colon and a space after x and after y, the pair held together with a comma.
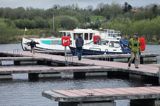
x: 45, y: 4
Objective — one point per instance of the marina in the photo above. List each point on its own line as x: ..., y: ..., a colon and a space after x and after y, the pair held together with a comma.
x: 74, y: 69
x: 79, y: 53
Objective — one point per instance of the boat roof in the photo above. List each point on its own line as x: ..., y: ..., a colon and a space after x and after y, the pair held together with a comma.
x: 80, y: 31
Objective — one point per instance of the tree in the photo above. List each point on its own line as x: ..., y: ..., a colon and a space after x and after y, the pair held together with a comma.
x: 67, y: 22
x: 127, y: 7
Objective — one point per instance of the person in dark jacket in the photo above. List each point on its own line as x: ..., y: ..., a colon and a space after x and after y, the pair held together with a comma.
x: 79, y: 45
x: 33, y: 45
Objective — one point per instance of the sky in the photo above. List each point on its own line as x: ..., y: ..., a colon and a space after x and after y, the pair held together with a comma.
x: 45, y: 4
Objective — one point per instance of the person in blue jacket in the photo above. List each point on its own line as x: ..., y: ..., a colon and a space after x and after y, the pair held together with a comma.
x: 32, y: 44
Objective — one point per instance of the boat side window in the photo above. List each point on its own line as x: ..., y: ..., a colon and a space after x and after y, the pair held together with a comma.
x: 68, y: 34
x: 90, y: 36
x: 63, y: 33
x: 75, y: 35
x: 116, y: 44
x: 86, y: 36
x: 56, y: 42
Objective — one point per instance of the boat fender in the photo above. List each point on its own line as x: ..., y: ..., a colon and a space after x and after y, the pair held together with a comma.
x: 96, y: 39
x: 142, y: 43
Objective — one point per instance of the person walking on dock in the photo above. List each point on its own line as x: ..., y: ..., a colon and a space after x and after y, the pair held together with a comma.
x: 33, y: 45
x: 79, y: 45
x: 134, y: 46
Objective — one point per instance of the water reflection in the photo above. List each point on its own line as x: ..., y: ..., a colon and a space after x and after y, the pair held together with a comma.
x: 23, y: 93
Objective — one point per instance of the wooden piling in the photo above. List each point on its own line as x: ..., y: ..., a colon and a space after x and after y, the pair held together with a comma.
x: 159, y: 75
x: 33, y: 76
x: 16, y: 62
x: 104, y: 103
x: 49, y: 63
x: 141, y: 60
x: 118, y: 74
x: 142, y: 102
x: 67, y: 104
x: 40, y: 62
x: 79, y: 75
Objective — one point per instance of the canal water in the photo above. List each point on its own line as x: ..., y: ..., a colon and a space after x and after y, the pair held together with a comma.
x: 21, y: 92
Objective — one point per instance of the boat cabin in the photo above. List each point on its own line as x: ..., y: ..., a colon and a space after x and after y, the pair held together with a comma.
x: 90, y: 35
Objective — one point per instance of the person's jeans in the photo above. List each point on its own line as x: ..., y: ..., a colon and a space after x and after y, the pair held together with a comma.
x: 79, y: 52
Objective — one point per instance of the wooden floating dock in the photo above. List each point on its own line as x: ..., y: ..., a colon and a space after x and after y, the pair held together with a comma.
x: 144, y: 57
x: 85, y: 97
x: 148, y: 57
x: 112, y: 68
x: 63, y: 72
x: 9, y: 61
x: 47, y: 69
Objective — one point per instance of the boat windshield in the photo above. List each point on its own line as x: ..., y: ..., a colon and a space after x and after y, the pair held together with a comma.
x: 104, y: 42
x: 114, y: 44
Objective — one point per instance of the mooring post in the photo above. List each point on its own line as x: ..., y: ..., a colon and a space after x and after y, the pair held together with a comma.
x: 67, y: 104
x: 49, y: 63
x: 142, y: 102
x: 93, y: 103
x: 41, y: 62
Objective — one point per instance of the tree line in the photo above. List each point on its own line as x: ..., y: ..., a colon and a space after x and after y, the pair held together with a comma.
x: 126, y: 18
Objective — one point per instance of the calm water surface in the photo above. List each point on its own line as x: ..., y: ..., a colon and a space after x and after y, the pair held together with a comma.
x: 21, y: 92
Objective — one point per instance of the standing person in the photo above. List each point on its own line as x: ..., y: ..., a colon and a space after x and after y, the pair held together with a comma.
x: 79, y: 44
x: 134, y: 46
x: 33, y: 45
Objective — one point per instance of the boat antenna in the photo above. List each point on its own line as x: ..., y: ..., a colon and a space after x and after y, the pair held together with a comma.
x: 25, y: 29
x: 53, y: 22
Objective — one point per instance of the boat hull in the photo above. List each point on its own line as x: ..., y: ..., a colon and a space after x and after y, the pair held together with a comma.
x: 92, y: 52
x: 41, y: 47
